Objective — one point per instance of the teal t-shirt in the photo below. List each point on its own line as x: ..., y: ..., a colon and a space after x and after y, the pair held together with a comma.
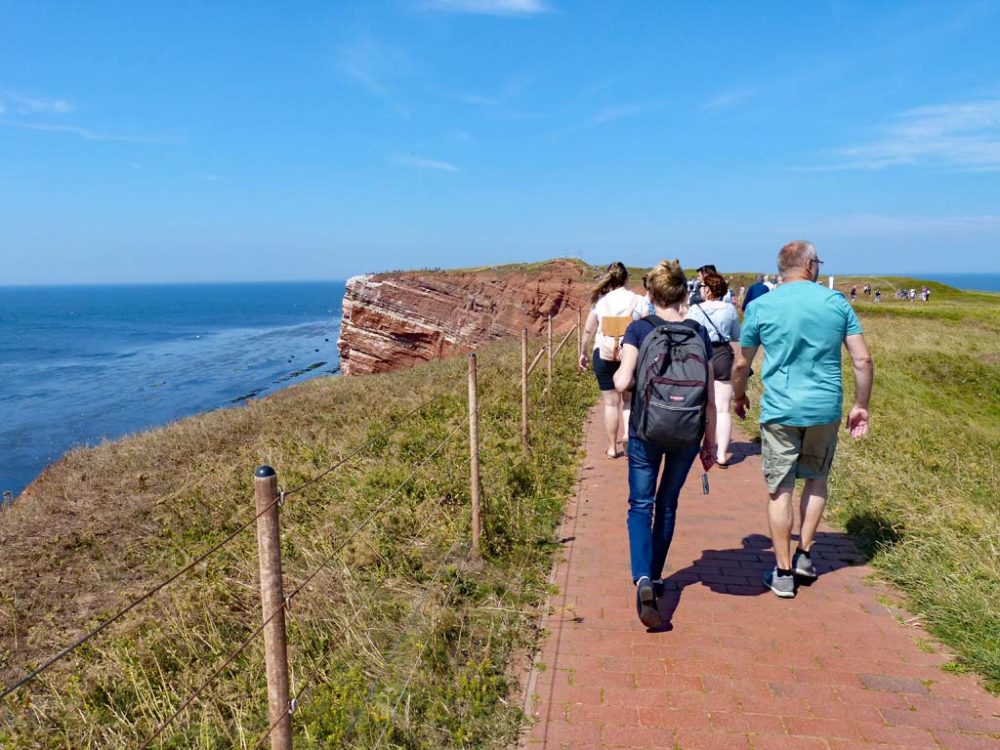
x: 802, y: 328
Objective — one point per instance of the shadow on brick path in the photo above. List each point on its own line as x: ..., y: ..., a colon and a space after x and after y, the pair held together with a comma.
x: 836, y: 668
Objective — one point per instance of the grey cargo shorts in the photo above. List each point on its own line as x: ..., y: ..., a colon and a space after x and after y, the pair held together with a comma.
x: 791, y: 453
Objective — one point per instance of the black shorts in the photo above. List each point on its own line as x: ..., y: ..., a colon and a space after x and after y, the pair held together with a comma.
x: 605, y: 371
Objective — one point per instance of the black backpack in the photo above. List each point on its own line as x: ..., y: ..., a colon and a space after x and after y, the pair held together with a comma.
x: 671, y: 385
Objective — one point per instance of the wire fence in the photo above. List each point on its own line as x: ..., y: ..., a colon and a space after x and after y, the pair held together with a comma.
x: 276, y: 603
x: 35, y: 673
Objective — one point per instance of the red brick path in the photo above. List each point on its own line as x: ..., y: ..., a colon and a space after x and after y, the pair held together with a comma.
x: 737, y: 668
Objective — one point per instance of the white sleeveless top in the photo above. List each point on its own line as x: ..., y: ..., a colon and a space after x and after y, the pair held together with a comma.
x: 617, y: 303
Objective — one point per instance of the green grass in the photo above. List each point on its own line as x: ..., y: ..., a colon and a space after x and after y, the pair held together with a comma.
x: 108, y: 522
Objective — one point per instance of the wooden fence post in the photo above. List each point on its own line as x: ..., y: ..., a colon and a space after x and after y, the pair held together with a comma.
x: 272, y: 599
x: 548, y: 379
x: 563, y: 342
x: 524, y: 387
x: 579, y: 331
x: 474, y: 450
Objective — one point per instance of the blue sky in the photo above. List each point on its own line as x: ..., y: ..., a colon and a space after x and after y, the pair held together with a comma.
x: 196, y: 141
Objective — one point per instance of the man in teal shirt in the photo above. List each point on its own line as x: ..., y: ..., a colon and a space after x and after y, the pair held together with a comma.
x: 801, y: 326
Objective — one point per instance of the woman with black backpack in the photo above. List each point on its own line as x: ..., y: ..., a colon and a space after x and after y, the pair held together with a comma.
x: 667, y: 360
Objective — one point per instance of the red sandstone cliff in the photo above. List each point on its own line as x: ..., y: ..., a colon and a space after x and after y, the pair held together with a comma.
x: 396, y: 320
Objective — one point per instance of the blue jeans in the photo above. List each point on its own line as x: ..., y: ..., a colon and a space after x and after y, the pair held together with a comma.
x: 652, y: 510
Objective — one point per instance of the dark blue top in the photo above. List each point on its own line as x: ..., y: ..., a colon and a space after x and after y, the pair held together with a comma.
x: 637, y: 332
x: 757, y: 289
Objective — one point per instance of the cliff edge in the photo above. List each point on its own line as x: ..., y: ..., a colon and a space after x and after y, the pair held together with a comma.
x: 395, y: 320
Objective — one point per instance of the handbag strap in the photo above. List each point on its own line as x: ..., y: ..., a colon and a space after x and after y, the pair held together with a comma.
x: 725, y: 339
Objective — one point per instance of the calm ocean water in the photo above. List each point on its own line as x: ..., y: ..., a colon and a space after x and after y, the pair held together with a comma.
x: 79, y: 364
x: 983, y: 282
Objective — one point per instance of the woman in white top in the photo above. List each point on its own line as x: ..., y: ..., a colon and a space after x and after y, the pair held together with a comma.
x: 613, y: 307
x: 723, y: 325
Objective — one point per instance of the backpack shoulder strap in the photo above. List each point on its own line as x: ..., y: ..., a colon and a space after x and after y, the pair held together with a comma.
x: 708, y: 317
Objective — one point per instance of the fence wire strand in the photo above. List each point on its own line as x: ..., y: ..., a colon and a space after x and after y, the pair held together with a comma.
x: 151, y: 592
x: 312, y: 678
x: 378, y: 509
x: 121, y: 613
x: 420, y: 656
x: 366, y: 444
x: 211, y: 678
x: 402, y: 636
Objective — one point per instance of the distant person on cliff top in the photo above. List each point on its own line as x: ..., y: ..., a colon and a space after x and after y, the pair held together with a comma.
x: 878, y: 294
x: 802, y: 326
x: 650, y: 310
x: 757, y: 289
x: 659, y: 464
x: 613, y: 307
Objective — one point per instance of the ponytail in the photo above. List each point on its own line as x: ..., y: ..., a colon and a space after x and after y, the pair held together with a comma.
x: 615, y: 277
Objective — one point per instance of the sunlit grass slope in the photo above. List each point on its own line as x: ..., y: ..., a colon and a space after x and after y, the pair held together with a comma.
x: 108, y: 522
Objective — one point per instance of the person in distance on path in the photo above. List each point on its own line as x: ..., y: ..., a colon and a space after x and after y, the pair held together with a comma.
x: 613, y: 307
x: 802, y: 326
x: 722, y: 322
x: 757, y: 289
x: 695, y: 297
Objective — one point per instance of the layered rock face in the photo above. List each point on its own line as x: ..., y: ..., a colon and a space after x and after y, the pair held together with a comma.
x: 395, y: 320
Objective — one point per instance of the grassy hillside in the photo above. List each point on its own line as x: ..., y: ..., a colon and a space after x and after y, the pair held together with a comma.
x: 108, y: 522
x: 922, y: 492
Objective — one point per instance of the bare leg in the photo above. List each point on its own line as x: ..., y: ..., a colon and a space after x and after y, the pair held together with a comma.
x: 779, y: 517
x: 723, y: 418
x: 811, y: 507
x: 626, y: 411
x: 612, y: 412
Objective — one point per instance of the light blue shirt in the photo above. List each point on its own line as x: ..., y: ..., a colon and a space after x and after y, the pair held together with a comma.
x: 802, y: 327
x: 719, y: 318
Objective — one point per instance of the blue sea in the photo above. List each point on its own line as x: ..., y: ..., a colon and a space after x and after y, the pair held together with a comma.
x: 981, y: 282
x: 80, y: 364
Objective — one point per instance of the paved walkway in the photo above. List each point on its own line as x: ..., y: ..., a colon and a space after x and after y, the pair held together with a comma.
x: 736, y: 668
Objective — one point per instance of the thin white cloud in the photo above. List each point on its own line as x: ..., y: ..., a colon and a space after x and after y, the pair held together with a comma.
x: 378, y: 67
x: 85, y: 133
x: 728, y: 100
x: 478, y: 100
x: 209, y: 177
x: 517, y: 116
x: 373, y: 64
x: 509, y: 8
x: 420, y: 162
x: 598, y: 86
x: 605, y: 116
x: 961, y: 136
x: 27, y: 105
